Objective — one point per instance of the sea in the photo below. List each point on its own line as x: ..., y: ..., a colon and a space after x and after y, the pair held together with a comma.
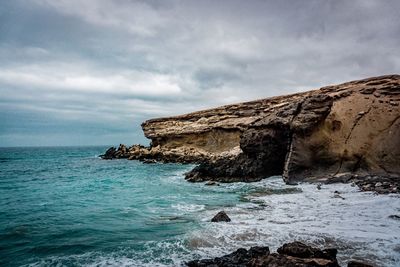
x: 64, y: 206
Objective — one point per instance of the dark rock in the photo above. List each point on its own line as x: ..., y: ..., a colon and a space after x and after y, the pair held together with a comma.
x: 149, y: 161
x: 240, y: 257
x: 301, y: 250
x: 383, y: 184
x: 110, y: 153
x: 395, y: 217
x: 358, y: 264
x: 299, y: 255
x: 209, y: 183
x: 337, y: 195
x: 113, y: 153
x: 340, y: 178
x: 278, y: 260
x: 221, y: 217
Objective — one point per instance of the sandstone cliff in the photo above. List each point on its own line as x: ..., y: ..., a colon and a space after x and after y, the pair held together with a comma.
x: 351, y: 128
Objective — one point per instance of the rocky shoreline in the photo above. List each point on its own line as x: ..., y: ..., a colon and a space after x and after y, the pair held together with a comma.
x: 341, y: 133
x: 320, y: 135
x: 294, y: 254
x: 346, y: 133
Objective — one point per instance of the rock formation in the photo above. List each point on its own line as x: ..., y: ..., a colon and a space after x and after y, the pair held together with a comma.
x: 335, y: 133
x: 291, y: 254
x: 221, y: 217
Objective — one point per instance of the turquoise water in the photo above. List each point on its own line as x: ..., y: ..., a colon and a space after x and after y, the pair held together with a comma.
x: 66, y: 207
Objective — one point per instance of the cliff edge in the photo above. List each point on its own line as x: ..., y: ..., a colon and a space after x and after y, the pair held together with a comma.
x: 320, y: 135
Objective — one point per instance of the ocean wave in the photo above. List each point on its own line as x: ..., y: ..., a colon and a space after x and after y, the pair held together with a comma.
x: 188, y: 207
x: 160, y: 254
x: 357, y: 223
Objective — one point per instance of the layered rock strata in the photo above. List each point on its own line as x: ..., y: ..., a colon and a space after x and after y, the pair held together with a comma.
x: 351, y: 129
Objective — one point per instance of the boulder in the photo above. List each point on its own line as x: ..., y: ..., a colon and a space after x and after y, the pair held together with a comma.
x: 221, y: 217
x: 299, y: 255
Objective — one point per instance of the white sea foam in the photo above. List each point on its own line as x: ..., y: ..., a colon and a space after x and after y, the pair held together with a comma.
x: 271, y: 214
x: 356, y: 223
x: 157, y: 254
x: 188, y: 207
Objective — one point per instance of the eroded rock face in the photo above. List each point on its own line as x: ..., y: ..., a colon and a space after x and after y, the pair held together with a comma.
x: 348, y: 128
x: 316, y: 135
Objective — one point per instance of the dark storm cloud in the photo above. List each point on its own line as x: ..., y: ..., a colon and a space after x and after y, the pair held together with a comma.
x: 74, y: 71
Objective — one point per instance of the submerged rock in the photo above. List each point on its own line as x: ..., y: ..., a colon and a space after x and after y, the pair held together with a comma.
x: 221, y: 217
x: 291, y: 254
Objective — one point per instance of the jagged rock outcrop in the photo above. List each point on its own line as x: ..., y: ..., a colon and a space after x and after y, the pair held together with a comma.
x: 221, y: 217
x: 290, y: 254
x: 351, y: 129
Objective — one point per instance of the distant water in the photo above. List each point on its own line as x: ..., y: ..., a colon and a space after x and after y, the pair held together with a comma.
x: 67, y: 207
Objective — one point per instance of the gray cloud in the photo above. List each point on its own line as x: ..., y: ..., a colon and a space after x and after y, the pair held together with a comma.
x: 76, y: 72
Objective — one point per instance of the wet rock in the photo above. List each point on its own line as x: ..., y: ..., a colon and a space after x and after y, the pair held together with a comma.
x: 275, y: 260
x: 290, y: 255
x: 380, y: 184
x: 149, y: 161
x: 395, y: 217
x: 336, y: 194
x: 358, y: 264
x: 221, y: 217
x: 210, y: 183
x: 240, y: 257
x: 110, y: 153
x: 340, y: 178
x: 301, y: 250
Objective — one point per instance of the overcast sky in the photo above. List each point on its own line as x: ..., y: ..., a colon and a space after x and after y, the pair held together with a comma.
x: 76, y: 72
